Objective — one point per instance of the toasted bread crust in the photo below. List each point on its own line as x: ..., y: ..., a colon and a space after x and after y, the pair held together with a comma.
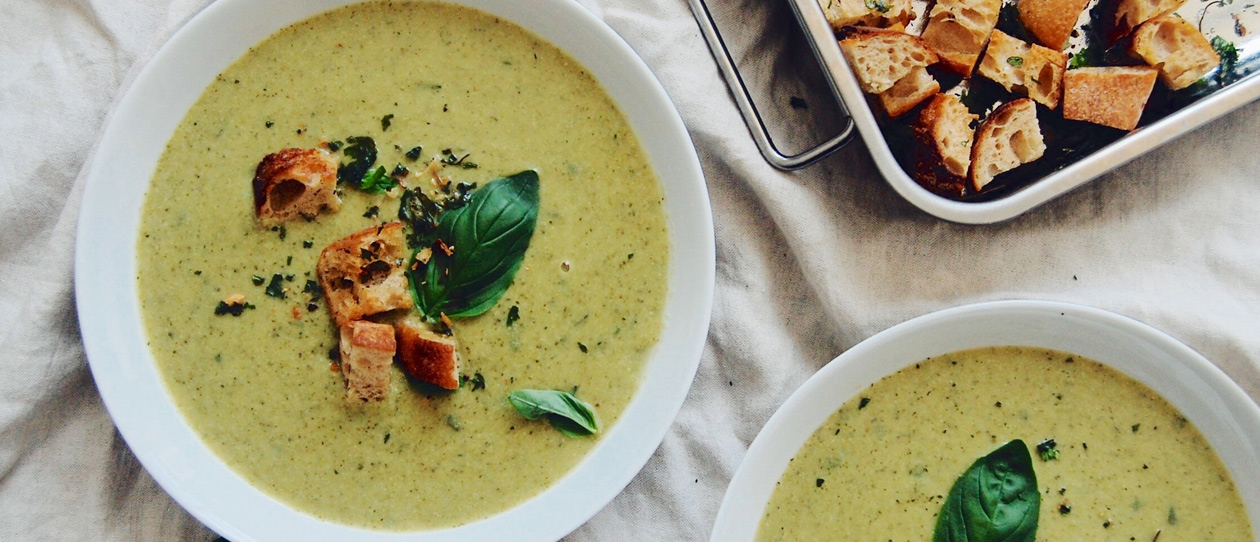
x: 958, y: 30
x: 1110, y: 96
x: 883, y: 14
x: 1008, y: 138
x: 1051, y: 21
x: 295, y: 182
x: 880, y: 58
x: 428, y: 356
x: 1177, y: 49
x: 362, y: 274
x: 367, y: 353
x: 1025, y: 68
x: 945, y: 136
x: 908, y: 92
x: 1132, y: 13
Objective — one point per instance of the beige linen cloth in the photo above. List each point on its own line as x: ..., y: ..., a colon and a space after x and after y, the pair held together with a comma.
x: 808, y: 263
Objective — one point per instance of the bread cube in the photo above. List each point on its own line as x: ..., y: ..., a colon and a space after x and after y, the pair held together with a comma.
x: 958, y: 29
x: 293, y: 183
x: 945, y: 135
x: 1008, y: 138
x: 1051, y: 21
x: 428, y: 356
x: 1025, y: 68
x: 363, y: 273
x: 1110, y: 96
x: 880, y: 58
x: 908, y: 92
x: 873, y: 13
x: 1177, y: 49
x: 367, y: 353
x: 1131, y: 13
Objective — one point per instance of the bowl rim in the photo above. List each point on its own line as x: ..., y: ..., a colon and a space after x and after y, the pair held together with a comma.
x: 136, y: 397
x: 1234, y: 433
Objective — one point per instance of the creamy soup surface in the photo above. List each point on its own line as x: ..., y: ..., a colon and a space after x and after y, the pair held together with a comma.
x: 1130, y: 466
x: 261, y: 389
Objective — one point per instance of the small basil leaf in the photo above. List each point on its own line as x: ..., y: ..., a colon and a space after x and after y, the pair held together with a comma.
x: 489, y: 236
x: 362, y: 151
x: 996, y: 500
x: 570, y: 415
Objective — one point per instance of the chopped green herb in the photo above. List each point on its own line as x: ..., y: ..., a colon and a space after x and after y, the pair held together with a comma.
x: 312, y: 288
x: 362, y: 152
x: 258, y: 281
x: 468, y: 165
x: 819, y: 482
x: 478, y: 382
x: 1229, y: 57
x: 378, y: 182
x: 308, y: 243
x: 1135, y: 427
x: 275, y: 288
x: 878, y: 5
x: 1047, y: 450
x: 399, y: 171
x: 335, y: 146
x: 514, y: 314
x: 235, y: 309
x: 582, y: 347
x: 452, y: 421
x: 863, y: 402
x: 385, y: 121
x: 372, y: 212
x: 269, y: 124
x: 218, y: 357
x: 1015, y: 61
x: 1065, y: 508
x: 1082, y: 58
x: 414, y: 153
x: 1172, y: 515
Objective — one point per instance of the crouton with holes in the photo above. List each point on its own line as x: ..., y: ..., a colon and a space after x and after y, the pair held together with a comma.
x: 908, y: 92
x: 873, y: 13
x: 367, y: 353
x: 1132, y: 13
x: 1177, y: 49
x: 363, y: 274
x: 1051, y: 21
x: 1111, y: 96
x: 944, y: 132
x: 1025, y: 68
x: 428, y: 356
x: 295, y: 183
x: 958, y: 29
x: 1008, y: 138
x: 880, y: 58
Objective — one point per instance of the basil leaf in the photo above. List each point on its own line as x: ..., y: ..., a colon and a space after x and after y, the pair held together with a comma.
x: 362, y: 151
x: 996, y: 500
x: 572, y: 416
x: 377, y: 181
x: 489, y: 236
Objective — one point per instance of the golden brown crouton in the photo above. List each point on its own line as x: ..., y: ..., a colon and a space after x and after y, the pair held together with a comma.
x: 428, y: 356
x: 1177, y: 49
x: 1131, y: 13
x: 958, y: 29
x: 1110, y: 96
x: 1025, y: 68
x: 908, y: 92
x: 363, y: 274
x: 873, y: 13
x: 293, y: 183
x: 880, y: 58
x: 1051, y: 21
x: 945, y: 133
x: 367, y: 352
x: 1008, y: 138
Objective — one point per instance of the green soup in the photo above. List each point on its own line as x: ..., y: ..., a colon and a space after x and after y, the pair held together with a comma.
x: 261, y: 390
x: 1130, y: 466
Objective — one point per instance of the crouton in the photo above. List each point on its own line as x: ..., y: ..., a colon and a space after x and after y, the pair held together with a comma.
x: 1111, y: 96
x: 1177, y: 49
x: 958, y: 29
x: 1008, y: 138
x: 367, y: 352
x: 428, y: 356
x: 873, y: 13
x: 1131, y: 13
x: 880, y: 58
x: 293, y: 183
x: 1051, y: 21
x: 945, y: 134
x: 363, y: 274
x: 1025, y: 68
x: 908, y: 92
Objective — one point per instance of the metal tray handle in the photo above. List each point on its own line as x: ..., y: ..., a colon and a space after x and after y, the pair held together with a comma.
x: 752, y: 117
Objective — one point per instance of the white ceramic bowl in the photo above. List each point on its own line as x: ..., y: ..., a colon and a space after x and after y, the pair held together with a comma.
x: 125, y: 373
x: 1215, y: 404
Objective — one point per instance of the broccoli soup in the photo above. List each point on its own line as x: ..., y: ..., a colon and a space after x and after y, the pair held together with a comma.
x: 432, y: 117
x: 1006, y: 443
